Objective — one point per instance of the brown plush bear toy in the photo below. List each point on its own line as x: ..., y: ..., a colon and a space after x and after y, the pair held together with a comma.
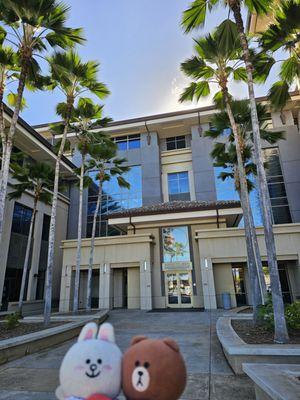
x: 153, y: 369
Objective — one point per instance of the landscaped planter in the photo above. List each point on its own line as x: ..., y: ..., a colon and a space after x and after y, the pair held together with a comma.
x: 238, y: 352
x: 11, y: 349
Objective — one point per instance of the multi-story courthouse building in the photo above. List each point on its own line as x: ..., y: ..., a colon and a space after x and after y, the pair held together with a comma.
x: 176, y: 237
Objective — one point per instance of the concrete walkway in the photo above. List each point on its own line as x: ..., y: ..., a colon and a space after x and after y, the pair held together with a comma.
x: 209, y: 376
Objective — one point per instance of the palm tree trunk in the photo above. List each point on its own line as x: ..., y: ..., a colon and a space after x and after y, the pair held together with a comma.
x: 9, y: 144
x: 2, y: 127
x: 79, y: 240
x: 27, y: 254
x: 50, y: 260
x: 254, y: 274
x: 90, y: 270
x: 281, y: 333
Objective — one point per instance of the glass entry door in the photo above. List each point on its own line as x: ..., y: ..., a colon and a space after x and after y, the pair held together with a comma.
x: 179, y: 289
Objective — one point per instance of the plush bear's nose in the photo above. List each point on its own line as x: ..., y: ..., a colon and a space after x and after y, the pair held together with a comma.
x: 141, y: 373
x: 93, y: 367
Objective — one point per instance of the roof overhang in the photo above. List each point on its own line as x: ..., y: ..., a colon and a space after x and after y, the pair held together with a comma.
x: 231, y: 215
x: 33, y: 144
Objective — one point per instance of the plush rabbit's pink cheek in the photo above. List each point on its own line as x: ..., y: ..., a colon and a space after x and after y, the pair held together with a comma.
x: 107, y: 367
x: 78, y: 368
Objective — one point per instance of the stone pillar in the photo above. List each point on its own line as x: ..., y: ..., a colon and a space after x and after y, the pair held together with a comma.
x: 65, y: 288
x: 36, y: 249
x: 105, y: 287
x: 208, y: 284
x: 145, y: 285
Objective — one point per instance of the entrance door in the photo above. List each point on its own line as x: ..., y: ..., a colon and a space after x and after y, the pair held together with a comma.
x: 120, y: 288
x: 179, y: 289
x: 239, y: 286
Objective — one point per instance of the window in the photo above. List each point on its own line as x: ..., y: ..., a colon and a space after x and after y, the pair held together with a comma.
x: 176, y: 245
x: 177, y: 142
x: 178, y: 185
x: 226, y: 191
x: 114, y: 198
x: 21, y: 219
x: 16, y: 254
x: 279, y: 202
x: 128, y: 142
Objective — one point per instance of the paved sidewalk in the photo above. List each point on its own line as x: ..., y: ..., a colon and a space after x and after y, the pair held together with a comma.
x: 209, y: 376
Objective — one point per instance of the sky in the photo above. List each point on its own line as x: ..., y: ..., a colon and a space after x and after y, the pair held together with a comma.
x: 140, y: 46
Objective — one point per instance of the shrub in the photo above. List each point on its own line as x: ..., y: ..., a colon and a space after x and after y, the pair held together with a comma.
x: 12, y: 320
x: 265, y: 315
x: 292, y: 315
x: 291, y: 311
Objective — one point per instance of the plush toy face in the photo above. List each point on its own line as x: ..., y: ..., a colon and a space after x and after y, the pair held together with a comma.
x: 92, y: 365
x: 153, y: 370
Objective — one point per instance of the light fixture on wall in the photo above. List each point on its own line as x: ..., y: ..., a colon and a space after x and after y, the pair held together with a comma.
x: 148, y: 134
x: 200, y: 130
x: 206, y: 262
x: 145, y: 265
x: 105, y: 268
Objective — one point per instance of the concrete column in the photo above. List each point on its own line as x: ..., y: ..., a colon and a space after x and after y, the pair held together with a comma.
x: 4, y: 245
x: 65, y: 288
x: 208, y: 284
x: 145, y: 285
x: 203, y: 169
x: 105, y: 287
x: 36, y: 249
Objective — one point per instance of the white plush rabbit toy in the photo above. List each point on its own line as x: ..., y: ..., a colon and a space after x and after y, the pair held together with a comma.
x: 91, y: 369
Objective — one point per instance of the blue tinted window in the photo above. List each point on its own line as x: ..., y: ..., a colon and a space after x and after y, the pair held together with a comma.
x: 122, y: 145
x: 21, y: 219
x: 226, y: 191
x: 134, y: 144
x: 128, y: 142
x: 178, y: 182
x: 114, y: 198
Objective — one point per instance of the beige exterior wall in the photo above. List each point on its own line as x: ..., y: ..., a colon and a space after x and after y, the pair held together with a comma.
x: 213, y: 251
x: 223, y: 280
x: 133, y: 286
x: 177, y: 161
x: 111, y: 254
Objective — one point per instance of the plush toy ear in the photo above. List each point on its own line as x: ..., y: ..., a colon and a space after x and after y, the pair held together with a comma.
x: 89, y: 331
x: 137, y: 339
x: 106, y: 332
x: 171, y: 343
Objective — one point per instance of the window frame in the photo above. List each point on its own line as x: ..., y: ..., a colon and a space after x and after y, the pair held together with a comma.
x: 176, y: 140
x: 128, y: 140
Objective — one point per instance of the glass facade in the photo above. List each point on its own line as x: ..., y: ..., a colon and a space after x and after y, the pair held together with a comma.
x: 178, y: 186
x: 279, y: 202
x: 226, y: 191
x: 16, y: 253
x: 128, y: 142
x: 114, y: 198
x: 176, y: 246
x: 177, y: 142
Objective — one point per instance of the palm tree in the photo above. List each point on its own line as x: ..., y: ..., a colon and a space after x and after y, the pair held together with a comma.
x: 225, y: 153
x: 8, y: 68
x: 72, y: 77
x: 193, y: 18
x: 87, y: 115
x: 218, y: 64
x: 31, y: 27
x: 106, y: 166
x: 36, y: 178
x: 283, y: 34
